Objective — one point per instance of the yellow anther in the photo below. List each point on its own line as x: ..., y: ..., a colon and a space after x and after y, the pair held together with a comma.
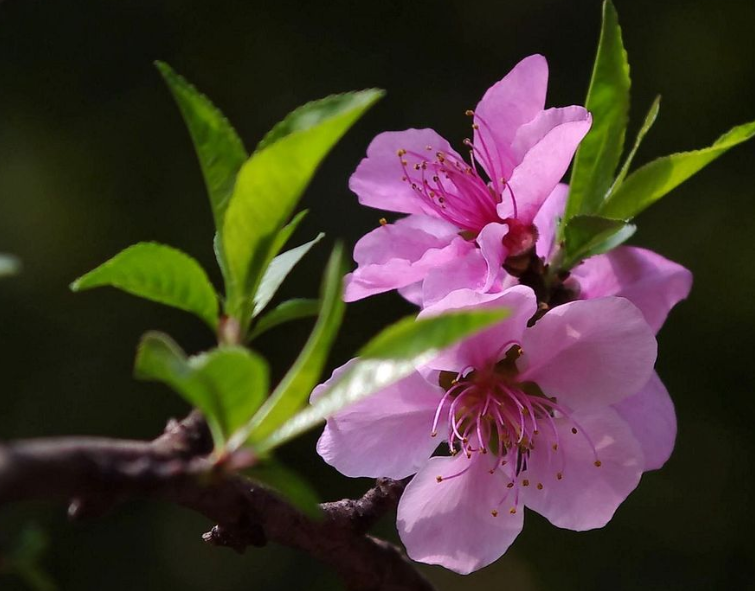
x: 539, y: 486
x: 469, y: 113
x: 383, y: 222
x: 598, y: 463
x: 401, y: 152
x: 512, y: 510
x: 438, y: 479
x: 525, y: 482
x: 494, y: 513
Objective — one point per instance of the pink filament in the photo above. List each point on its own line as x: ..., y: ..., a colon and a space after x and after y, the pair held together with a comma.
x: 486, y: 403
x: 455, y: 189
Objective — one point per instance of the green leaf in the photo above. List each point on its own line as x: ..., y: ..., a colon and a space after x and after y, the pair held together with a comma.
x: 9, y: 265
x: 289, y: 485
x: 228, y: 384
x: 646, y: 125
x: 159, y: 273
x: 392, y: 355
x: 239, y: 378
x: 285, y: 312
x: 608, y: 100
x: 270, y: 185
x: 294, y: 389
x: 588, y: 236
x: 312, y: 114
x: 649, y: 183
x: 159, y: 358
x: 277, y: 271
x: 219, y: 149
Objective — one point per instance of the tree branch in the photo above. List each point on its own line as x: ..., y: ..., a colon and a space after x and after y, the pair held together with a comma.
x: 94, y: 474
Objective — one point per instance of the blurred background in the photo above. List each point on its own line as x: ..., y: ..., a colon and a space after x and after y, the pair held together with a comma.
x: 94, y: 157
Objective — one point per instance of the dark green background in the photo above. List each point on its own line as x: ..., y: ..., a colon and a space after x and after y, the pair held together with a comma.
x: 94, y: 157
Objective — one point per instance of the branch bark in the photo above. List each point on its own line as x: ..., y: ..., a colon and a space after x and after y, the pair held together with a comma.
x: 94, y: 474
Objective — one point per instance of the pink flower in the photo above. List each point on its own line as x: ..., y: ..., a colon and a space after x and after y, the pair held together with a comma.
x: 652, y: 283
x: 481, y: 211
x: 529, y: 419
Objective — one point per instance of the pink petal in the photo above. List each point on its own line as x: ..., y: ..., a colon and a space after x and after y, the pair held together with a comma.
x: 546, y: 220
x: 650, y: 414
x: 652, y: 283
x: 469, y: 272
x: 451, y: 522
x: 541, y: 169
x: 387, y: 434
x: 490, y: 240
x: 489, y: 346
x: 377, y: 180
x: 586, y: 496
x: 399, y: 254
x: 506, y: 106
x: 533, y: 132
x: 590, y: 353
x: 413, y: 292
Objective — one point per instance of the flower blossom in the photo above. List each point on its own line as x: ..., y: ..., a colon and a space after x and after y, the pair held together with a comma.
x: 531, y: 417
x: 651, y: 282
x: 468, y: 215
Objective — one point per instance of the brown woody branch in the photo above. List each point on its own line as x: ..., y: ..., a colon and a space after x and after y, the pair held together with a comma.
x: 94, y: 474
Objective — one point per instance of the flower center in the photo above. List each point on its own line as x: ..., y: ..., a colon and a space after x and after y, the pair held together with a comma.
x: 458, y: 190
x: 490, y: 413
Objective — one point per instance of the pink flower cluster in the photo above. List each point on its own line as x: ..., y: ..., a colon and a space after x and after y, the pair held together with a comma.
x: 558, y: 407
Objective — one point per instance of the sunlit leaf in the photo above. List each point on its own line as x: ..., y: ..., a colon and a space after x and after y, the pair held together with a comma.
x: 270, y: 185
x: 587, y: 236
x: 294, y: 389
x: 312, y: 114
x: 608, y: 100
x: 648, y: 184
x: 646, y: 125
x: 288, y: 484
x: 159, y: 273
x: 228, y: 384
x: 219, y: 149
x: 390, y: 356
x: 238, y: 377
x: 285, y: 312
x: 277, y: 271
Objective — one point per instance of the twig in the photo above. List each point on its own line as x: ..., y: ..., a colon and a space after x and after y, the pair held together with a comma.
x: 94, y: 474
